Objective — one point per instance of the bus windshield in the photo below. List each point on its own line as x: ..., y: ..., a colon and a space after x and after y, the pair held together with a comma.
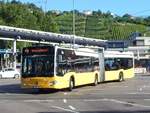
x: 38, y: 66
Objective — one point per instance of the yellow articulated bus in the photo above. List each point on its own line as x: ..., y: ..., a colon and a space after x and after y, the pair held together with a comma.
x: 59, y: 67
x: 118, y: 65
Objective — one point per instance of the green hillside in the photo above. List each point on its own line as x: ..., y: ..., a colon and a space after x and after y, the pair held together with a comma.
x: 98, y: 25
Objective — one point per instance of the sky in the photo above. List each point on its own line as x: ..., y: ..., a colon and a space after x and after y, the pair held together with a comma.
x: 119, y: 7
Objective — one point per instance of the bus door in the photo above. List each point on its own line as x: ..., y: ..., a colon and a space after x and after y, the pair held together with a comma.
x: 112, y: 69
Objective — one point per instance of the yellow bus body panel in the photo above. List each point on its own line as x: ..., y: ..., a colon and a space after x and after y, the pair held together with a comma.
x: 58, y: 82
x: 114, y: 74
x: 129, y: 73
x: 111, y: 75
x: 85, y: 78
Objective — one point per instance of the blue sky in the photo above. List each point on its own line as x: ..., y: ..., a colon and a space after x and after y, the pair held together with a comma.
x: 120, y: 7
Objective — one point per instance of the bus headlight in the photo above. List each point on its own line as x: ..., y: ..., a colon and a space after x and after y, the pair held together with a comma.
x: 52, y: 83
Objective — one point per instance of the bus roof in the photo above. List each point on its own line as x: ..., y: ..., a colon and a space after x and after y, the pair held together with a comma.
x: 118, y: 54
x: 86, y: 52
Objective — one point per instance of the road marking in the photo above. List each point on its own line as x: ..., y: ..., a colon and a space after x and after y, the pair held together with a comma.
x: 71, y: 107
x: 138, y: 93
x: 65, y: 101
x: 118, y: 101
x: 123, y: 102
x: 64, y: 109
x: 94, y: 100
x: 38, y: 100
x: 4, y: 93
x: 118, y: 86
x: 65, y: 93
x: 140, y: 89
x: 91, y: 90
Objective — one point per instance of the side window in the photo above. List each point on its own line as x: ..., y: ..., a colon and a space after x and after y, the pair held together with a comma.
x: 83, y: 64
x: 130, y: 63
x: 126, y: 63
x: 64, y: 61
x: 112, y: 64
x: 95, y: 64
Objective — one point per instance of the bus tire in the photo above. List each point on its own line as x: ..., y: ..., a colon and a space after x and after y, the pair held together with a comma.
x: 71, y: 84
x: 121, y: 77
x: 96, y: 80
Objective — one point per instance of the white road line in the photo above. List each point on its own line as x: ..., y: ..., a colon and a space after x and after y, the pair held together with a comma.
x: 140, y: 89
x: 65, y: 93
x: 64, y: 109
x: 118, y: 101
x: 92, y: 90
x: 118, y: 86
x: 94, y: 100
x: 123, y: 102
x: 38, y: 100
x: 71, y: 107
x: 4, y: 93
x: 65, y: 100
x: 138, y: 93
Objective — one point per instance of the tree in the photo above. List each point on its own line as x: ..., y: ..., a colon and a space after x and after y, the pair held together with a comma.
x: 49, y: 24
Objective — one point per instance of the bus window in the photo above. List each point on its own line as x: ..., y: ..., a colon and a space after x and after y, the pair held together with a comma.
x: 64, y: 61
x: 38, y: 66
x: 107, y: 67
x: 126, y: 63
x: 111, y: 64
x: 95, y: 64
x: 83, y: 64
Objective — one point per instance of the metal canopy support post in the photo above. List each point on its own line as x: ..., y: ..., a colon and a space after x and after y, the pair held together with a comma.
x: 14, y: 53
x: 138, y: 55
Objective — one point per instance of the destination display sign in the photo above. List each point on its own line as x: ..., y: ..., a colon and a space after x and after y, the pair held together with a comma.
x: 38, y: 50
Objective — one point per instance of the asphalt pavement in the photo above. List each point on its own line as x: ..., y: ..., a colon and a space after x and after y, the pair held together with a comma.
x: 130, y: 96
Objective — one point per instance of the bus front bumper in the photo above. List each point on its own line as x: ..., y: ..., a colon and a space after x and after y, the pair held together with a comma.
x: 39, y: 83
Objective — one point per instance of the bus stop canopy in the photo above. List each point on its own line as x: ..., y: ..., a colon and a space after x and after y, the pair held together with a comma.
x: 25, y: 34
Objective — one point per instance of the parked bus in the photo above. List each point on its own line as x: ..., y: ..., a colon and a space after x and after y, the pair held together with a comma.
x: 58, y: 67
x: 118, y: 65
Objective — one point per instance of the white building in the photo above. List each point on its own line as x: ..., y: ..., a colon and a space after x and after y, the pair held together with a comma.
x: 87, y: 12
x: 141, y: 41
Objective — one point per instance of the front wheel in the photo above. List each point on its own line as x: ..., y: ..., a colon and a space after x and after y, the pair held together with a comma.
x: 121, y: 77
x: 95, y: 81
x: 71, y: 85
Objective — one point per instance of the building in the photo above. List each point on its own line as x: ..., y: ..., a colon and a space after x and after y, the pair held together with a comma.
x: 141, y: 41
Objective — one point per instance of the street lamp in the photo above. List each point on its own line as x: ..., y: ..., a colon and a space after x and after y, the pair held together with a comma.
x: 73, y: 26
x: 45, y: 6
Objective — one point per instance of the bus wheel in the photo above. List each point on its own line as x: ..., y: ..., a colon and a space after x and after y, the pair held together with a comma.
x: 95, y: 81
x: 71, y: 84
x: 121, y: 77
